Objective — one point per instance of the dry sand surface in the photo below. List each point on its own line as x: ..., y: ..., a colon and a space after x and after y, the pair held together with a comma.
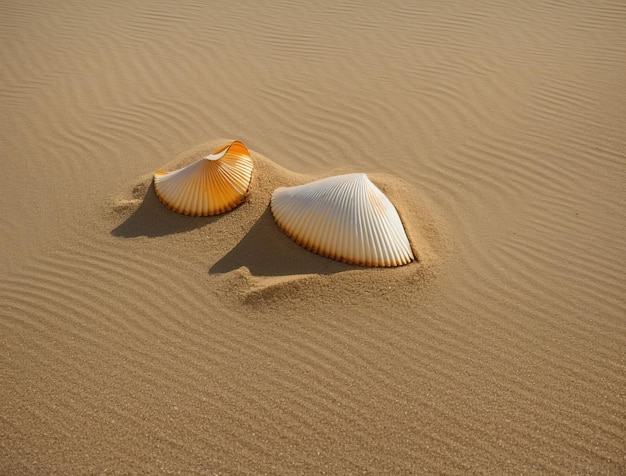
x: 137, y: 340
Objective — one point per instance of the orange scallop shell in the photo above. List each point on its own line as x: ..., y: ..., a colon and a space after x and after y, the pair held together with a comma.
x: 214, y: 184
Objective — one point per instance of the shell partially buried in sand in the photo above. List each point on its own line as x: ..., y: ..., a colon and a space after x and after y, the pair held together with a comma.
x: 346, y: 218
x: 212, y: 185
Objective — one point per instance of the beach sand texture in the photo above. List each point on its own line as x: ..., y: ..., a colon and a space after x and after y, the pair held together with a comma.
x: 137, y: 340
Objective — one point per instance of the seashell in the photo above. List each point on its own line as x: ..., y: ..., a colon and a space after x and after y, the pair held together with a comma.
x: 214, y: 184
x: 346, y: 218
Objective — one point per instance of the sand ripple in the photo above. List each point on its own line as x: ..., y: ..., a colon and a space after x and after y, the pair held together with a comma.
x: 137, y: 340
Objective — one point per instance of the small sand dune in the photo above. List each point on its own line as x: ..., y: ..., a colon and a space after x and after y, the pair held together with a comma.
x: 253, y: 258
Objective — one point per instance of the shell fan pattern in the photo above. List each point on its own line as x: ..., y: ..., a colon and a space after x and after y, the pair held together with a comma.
x: 214, y: 184
x: 346, y: 218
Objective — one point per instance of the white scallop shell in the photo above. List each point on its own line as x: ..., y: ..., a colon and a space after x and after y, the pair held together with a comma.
x: 214, y: 184
x: 346, y: 218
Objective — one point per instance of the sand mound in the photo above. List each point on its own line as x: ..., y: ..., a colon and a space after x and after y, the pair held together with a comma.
x: 253, y: 261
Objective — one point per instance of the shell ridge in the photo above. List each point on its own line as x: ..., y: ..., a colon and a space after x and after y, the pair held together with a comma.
x: 223, y: 198
x: 305, y: 219
x: 391, y: 221
x: 373, y: 230
x: 330, y: 232
x: 361, y: 254
x: 382, y: 215
x: 234, y: 177
x: 172, y: 189
x: 350, y: 193
x: 402, y: 246
x: 336, y: 217
x: 243, y: 171
x: 205, y: 196
x: 358, y: 239
x: 199, y: 197
x: 364, y: 254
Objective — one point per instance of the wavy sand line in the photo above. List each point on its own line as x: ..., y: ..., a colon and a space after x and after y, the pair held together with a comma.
x: 143, y: 341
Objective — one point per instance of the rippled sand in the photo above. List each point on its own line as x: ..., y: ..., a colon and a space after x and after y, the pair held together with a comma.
x: 134, y: 340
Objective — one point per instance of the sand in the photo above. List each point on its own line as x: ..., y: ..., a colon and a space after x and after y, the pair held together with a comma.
x: 135, y: 340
